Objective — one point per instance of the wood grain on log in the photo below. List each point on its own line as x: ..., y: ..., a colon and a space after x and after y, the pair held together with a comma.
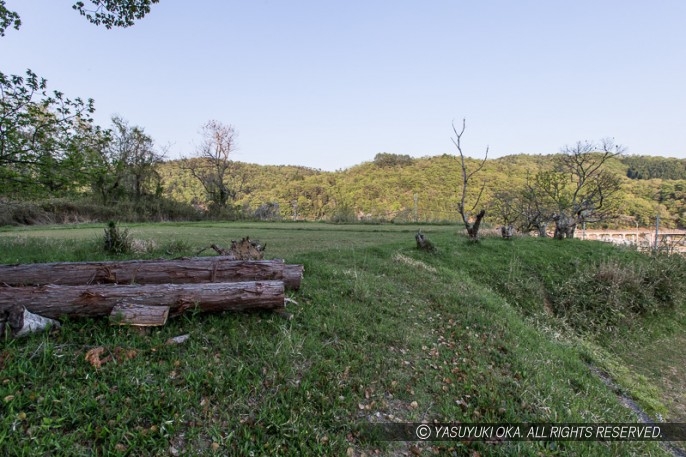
x: 55, y: 301
x: 139, y: 315
x: 177, y: 271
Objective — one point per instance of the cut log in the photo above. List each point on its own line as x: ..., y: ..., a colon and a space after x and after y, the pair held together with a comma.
x: 98, y: 300
x: 139, y: 315
x: 22, y: 322
x: 183, y: 271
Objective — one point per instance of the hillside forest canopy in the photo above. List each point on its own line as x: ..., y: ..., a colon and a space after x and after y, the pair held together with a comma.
x: 55, y: 162
x: 57, y: 165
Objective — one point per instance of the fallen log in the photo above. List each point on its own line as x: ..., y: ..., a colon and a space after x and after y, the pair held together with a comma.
x: 22, y: 322
x: 139, y: 315
x: 55, y: 301
x: 177, y: 271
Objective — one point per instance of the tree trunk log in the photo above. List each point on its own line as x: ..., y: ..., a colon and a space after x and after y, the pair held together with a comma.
x: 99, y: 300
x: 139, y: 315
x: 183, y: 271
x: 22, y: 322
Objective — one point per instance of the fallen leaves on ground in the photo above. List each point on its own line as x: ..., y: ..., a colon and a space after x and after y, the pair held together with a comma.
x: 118, y: 354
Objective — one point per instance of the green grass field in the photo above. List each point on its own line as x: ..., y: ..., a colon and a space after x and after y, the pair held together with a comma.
x: 381, y: 333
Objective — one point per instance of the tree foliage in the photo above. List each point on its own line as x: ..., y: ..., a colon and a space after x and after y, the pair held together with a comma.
x: 114, y: 13
x: 110, y: 13
x: 8, y: 19
x: 128, y: 164
x: 48, y: 142
x: 385, y: 159
x: 647, y: 167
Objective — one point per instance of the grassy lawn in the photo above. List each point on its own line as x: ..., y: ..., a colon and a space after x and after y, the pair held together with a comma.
x: 381, y: 333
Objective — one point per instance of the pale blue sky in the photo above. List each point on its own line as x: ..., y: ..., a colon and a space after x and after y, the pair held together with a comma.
x: 328, y: 84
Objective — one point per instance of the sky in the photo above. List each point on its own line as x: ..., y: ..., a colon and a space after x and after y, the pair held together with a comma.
x: 329, y: 84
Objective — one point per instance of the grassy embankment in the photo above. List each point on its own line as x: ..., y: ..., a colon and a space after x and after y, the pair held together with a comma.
x: 381, y: 332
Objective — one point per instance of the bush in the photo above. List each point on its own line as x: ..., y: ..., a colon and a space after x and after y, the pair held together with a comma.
x: 611, y: 294
x: 83, y: 209
x: 117, y: 241
x: 344, y: 215
x: 22, y: 213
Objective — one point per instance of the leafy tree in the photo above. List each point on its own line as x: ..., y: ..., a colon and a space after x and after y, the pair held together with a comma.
x: 128, y: 164
x: 646, y: 167
x: 110, y: 13
x: 47, y: 141
x: 384, y: 159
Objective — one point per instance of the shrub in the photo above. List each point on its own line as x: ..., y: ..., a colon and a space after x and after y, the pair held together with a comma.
x: 117, y: 241
x: 604, y: 297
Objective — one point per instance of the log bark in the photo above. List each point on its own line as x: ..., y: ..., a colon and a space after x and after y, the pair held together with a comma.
x: 55, y: 301
x: 184, y: 271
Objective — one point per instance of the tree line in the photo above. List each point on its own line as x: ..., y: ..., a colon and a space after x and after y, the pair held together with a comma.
x: 50, y: 147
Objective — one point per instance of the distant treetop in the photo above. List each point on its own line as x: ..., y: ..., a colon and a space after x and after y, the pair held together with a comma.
x: 385, y: 159
x: 648, y: 167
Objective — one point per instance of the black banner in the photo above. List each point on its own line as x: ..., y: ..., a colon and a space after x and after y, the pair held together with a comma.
x: 524, y: 432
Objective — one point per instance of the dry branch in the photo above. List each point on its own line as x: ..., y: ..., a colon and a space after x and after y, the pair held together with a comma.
x: 183, y: 271
x: 98, y: 300
x: 472, y: 228
x: 242, y: 250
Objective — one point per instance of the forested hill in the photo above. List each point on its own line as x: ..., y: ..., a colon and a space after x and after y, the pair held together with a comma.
x: 402, y: 188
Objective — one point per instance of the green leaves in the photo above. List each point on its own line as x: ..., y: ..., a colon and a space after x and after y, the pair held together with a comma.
x: 8, y: 19
x: 114, y: 13
x: 110, y: 13
x: 42, y: 137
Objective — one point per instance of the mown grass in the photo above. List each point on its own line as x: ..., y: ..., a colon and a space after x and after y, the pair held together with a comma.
x: 381, y: 332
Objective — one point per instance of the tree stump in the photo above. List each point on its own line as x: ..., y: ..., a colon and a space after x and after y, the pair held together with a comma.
x: 423, y: 243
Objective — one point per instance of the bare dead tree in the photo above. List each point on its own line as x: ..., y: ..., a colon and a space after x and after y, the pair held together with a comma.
x: 213, y: 163
x: 592, y: 187
x: 472, y: 227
